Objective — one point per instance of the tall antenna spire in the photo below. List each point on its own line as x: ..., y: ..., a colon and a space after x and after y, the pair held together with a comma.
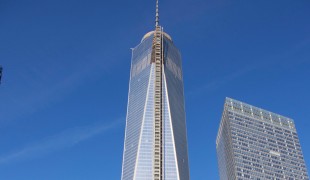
x: 157, y: 14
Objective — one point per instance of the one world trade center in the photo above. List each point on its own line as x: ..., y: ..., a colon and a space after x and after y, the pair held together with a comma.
x: 155, y: 145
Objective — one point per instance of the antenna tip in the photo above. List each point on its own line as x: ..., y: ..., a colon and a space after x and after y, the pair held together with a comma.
x: 157, y: 14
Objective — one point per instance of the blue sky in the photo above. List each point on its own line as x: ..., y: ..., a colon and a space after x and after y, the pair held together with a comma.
x: 66, y: 66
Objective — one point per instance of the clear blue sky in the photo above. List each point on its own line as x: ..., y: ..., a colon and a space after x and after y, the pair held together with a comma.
x: 66, y: 70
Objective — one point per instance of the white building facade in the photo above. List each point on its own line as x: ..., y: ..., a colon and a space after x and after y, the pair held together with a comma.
x: 253, y: 143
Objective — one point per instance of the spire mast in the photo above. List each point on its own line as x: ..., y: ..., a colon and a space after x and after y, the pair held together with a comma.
x: 158, y: 117
x: 157, y: 14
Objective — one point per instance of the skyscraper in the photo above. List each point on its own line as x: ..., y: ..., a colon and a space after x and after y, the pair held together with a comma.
x: 155, y: 145
x: 253, y: 143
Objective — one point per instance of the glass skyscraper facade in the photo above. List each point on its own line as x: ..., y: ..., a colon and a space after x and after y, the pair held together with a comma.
x: 253, y: 143
x: 155, y: 145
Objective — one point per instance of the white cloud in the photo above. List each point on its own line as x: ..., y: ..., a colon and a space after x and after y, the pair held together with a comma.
x: 64, y: 139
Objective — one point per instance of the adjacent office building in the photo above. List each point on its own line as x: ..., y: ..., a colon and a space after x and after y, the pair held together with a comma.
x: 253, y: 143
x: 155, y: 139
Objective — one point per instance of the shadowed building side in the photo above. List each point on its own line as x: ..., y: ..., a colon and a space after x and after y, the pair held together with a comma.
x: 0, y: 73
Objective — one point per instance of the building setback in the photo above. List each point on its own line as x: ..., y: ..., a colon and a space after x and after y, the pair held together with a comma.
x: 253, y: 143
x: 155, y: 145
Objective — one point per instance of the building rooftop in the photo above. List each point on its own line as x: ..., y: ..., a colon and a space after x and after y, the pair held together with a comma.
x: 152, y: 32
x: 258, y: 113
